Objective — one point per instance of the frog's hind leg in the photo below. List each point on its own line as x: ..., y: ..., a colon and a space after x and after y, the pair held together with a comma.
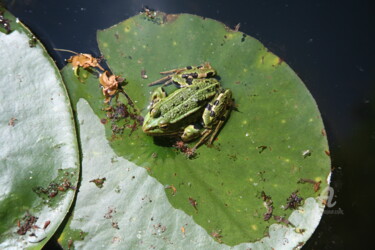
x: 205, y: 134
x: 214, y: 133
x: 221, y: 122
x: 176, y: 71
x: 167, y: 80
x: 215, y: 115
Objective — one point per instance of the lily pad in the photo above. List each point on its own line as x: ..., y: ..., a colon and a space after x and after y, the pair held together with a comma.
x: 39, y: 159
x: 273, y: 145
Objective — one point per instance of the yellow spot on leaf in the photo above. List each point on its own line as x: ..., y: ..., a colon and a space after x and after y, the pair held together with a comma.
x: 61, y: 239
x: 245, y: 70
x: 244, y: 122
x: 267, y: 60
x: 229, y: 36
x: 311, y: 119
x: 317, y: 179
x: 283, y: 121
x: 144, y: 46
x: 254, y: 227
x: 127, y: 29
x: 251, y: 179
x: 174, y: 43
x: 287, y: 160
x: 275, y: 60
x: 105, y: 45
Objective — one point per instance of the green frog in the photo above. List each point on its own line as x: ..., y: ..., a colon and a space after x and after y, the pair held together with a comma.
x: 197, y: 109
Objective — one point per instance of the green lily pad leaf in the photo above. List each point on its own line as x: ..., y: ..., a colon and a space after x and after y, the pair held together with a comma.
x: 39, y: 159
x: 272, y: 151
x: 131, y: 208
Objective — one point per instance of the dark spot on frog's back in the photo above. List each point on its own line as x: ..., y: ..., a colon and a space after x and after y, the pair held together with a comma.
x: 216, y: 102
x: 194, y: 75
x: 212, y: 113
x: 189, y: 81
x: 208, y: 107
x: 210, y: 74
x: 189, y: 67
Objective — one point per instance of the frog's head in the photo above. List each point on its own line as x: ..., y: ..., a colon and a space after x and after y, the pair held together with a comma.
x: 157, y: 126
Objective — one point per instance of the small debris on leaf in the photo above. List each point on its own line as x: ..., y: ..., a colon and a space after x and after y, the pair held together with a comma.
x: 121, y: 117
x: 315, y: 183
x: 28, y: 223
x: 54, y: 188
x: 261, y: 149
x: 194, y: 203
x: 159, y: 229
x: 237, y: 27
x: 46, y: 224
x: 174, y: 190
x: 109, y: 213
x: 12, y: 121
x: 99, y: 182
x: 115, y: 225
x: 306, y: 153
x: 110, y: 85
x: 81, y: 60
x: 154, y: 155
x: 293, y: 201
x: 70, y: 243
x: 268, y: 203
x: 283, y: 220
x: 143, y: 74
x: 189, y: 152
x: 32, y: 41
x: 150, y: 13
x: 217, y: 236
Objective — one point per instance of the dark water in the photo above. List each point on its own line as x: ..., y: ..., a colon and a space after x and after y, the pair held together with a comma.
x: 330, y: 46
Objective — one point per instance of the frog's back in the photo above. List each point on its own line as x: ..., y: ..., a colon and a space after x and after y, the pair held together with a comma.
x: 186, y: 101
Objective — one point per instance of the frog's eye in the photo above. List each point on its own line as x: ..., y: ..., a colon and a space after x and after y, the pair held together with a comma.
x: 163, y: 126
x: 155, y: 112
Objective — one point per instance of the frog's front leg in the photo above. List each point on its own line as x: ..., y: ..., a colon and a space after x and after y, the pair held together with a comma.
x: 191, y: 132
